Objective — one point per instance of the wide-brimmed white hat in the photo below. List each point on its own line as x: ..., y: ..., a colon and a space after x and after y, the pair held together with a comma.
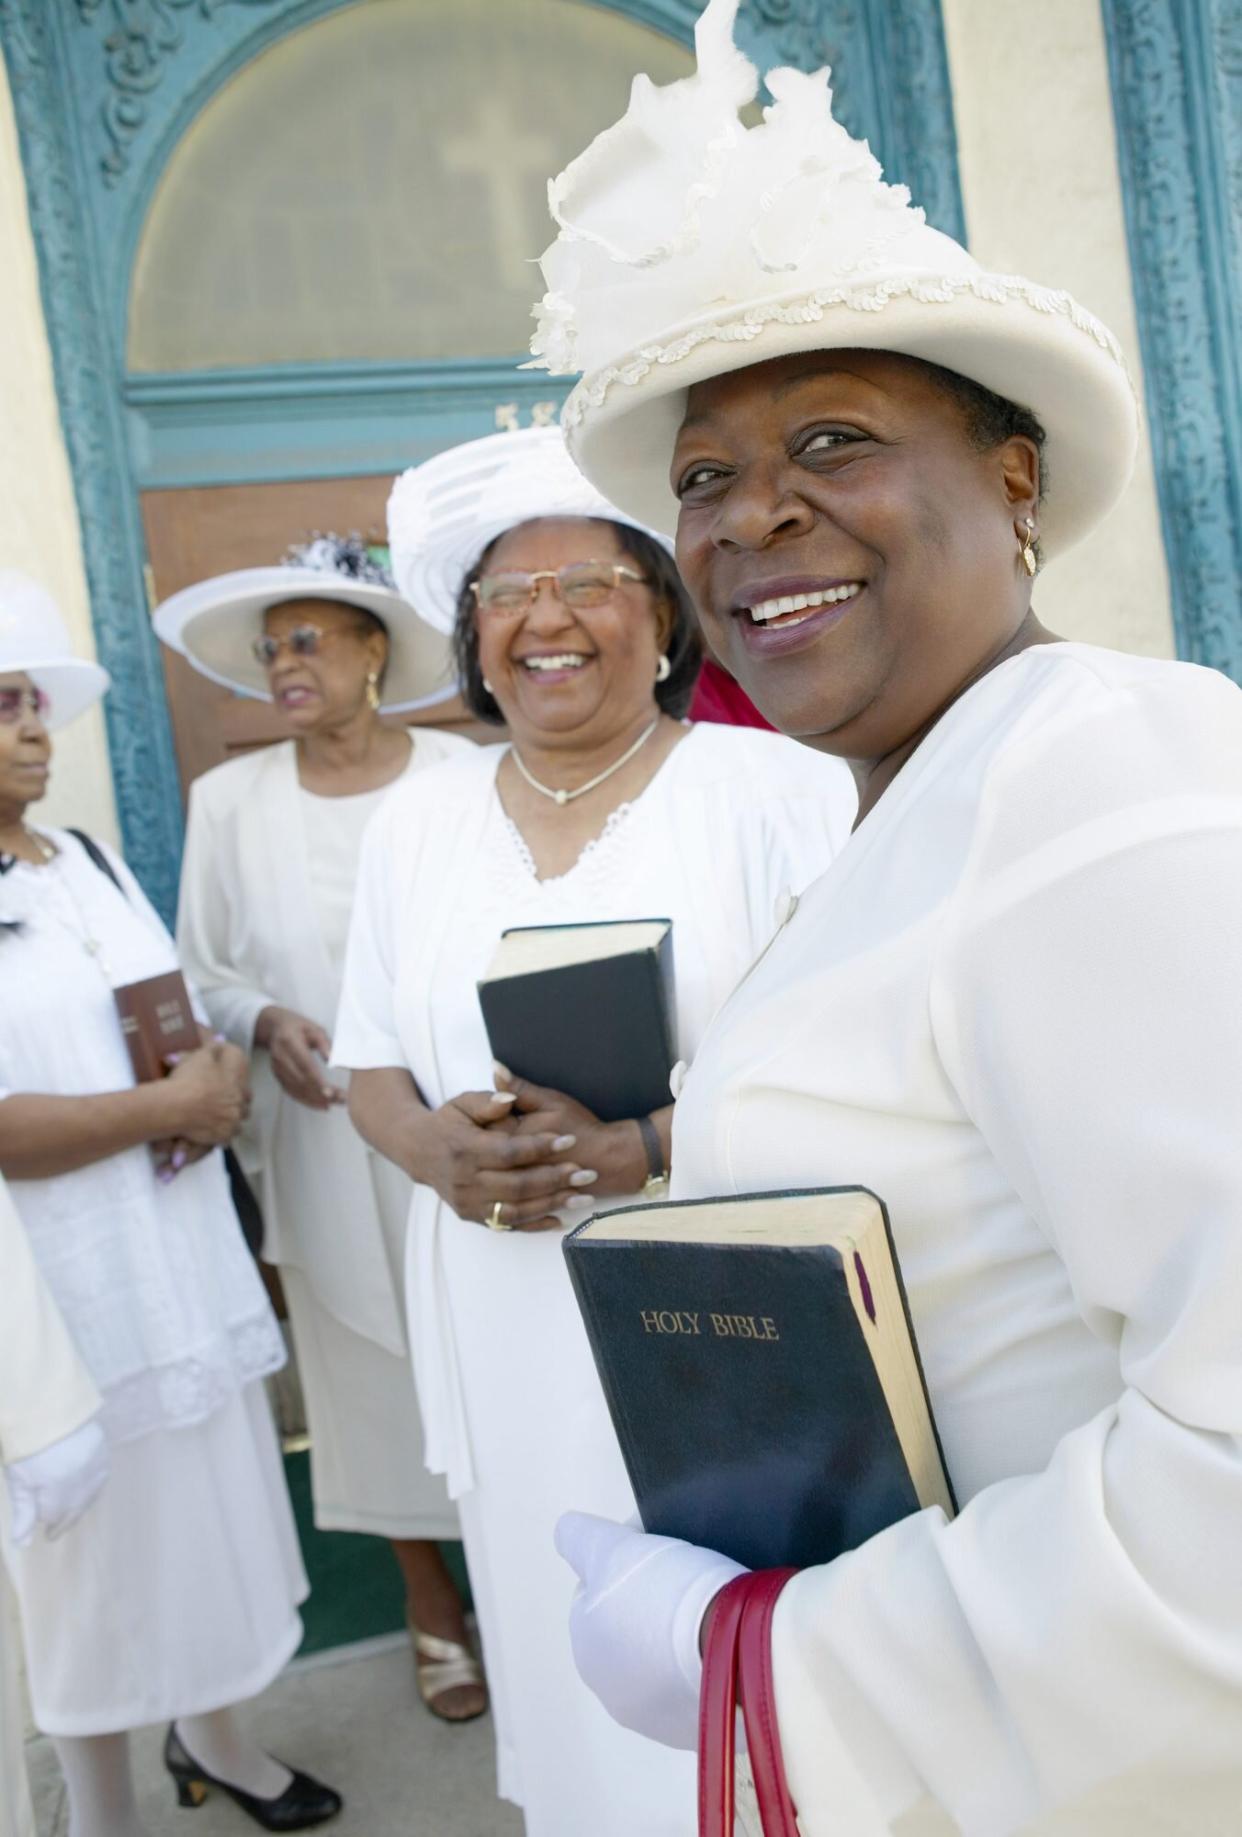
x: 691, y: 246
x: 215, y: 622
x: 443, y: 514
x: 34, y: 640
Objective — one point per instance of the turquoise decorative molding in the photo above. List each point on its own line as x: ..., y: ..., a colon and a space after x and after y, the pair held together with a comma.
x: 244, y: 426
x: 1176, y: 74
x: 140, y: 742
x: 104, y: 89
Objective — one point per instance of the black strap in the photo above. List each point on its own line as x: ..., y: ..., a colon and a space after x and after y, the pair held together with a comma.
x: 99, y: 859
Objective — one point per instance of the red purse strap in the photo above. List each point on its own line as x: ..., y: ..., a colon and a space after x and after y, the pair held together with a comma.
x: 758, y: 1697
x: 718, y: 1710
x: 737, y: 1664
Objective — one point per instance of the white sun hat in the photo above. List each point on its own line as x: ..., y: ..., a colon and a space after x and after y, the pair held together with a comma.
x: 34, y: 641
x: 443, y: 514
x: 691, y: 246
x: 215, y: 622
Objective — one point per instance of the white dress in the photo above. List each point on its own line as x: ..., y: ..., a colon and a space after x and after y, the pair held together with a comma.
x: 266, y: 892
x: 1013, y: 1008
x: 178, y: 1591
x: 45, y: 1394
x: 514, y: 1412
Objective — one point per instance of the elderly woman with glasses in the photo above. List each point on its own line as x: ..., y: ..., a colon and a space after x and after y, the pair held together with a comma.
x: 571, y: 625
x: 175, y: 1597
x: 1012, y: 1008
x: 267, y: 887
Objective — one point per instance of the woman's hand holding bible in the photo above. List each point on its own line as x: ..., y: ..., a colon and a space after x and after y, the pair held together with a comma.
x: 476, y: 1155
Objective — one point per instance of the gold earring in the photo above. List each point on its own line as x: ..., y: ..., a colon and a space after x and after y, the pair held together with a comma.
x: 664, y: 668
x: 373, y: 694
x: 1029, y: 558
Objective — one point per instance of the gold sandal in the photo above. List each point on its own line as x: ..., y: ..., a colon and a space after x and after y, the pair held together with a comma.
x: 441, y: 1665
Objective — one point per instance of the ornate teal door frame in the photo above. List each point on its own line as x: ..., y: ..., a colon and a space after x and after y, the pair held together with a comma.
x: 103, y: 90
x: 1176, y: 73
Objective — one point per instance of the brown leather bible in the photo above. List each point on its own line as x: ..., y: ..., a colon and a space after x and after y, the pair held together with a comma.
x: 157, y: 1020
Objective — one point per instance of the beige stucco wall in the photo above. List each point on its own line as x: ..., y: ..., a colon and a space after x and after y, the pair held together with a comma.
x: 38, y: 517
x: 1043, y: 197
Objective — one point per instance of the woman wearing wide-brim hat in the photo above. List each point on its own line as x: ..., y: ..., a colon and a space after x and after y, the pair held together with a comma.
x: 1012, y: 1007
x: 267, y: 886
x: 175, y: 1597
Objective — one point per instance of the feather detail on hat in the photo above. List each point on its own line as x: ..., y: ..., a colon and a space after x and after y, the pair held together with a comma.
x: 690, y: 244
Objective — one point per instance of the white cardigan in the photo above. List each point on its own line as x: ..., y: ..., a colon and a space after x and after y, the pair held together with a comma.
x: 249, y: 936
x: 1013, y: 1008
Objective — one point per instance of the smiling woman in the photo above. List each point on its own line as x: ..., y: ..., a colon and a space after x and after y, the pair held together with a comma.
x: 1012, y: 1008
x: 572, y: 624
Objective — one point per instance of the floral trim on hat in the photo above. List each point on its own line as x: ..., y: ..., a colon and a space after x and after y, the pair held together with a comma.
x: 349, y: 556
x: 997, y: 289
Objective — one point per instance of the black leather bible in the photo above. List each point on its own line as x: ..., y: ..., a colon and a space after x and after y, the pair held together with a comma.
x: 587, y: 1010
x: 761, y: 1371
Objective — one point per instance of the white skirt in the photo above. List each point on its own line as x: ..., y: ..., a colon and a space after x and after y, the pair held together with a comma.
x: 368, y: 1470
x: 177, y: 1592
x: 16, y: 1812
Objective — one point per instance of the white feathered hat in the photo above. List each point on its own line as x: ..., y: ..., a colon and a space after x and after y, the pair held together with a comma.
x: 215, y: 622
x: 443, y: 514
x: 34, y: 641
x: 691, y: 246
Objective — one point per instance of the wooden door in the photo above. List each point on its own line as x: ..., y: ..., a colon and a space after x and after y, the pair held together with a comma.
x: 203, y: 530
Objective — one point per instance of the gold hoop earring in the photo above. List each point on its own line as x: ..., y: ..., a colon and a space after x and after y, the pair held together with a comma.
x: 664, y: 668
x: 373, y: 694
x: 1030, y: 560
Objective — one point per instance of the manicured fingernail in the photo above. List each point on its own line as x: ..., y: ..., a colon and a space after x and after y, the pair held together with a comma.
x: 164, y: 1175
x: 502, y: 1072
x: 585, y: 1176
x: 504, y: 1096
x: 578, y: 1201
x: 179, y: 1160
x: 221, y: 1039
x: 174, y: 1058
x: 561, y: 1142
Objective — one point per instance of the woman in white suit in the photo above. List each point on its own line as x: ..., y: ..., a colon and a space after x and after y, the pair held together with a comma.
x: 1012, y: 1007
x: 266, y: 892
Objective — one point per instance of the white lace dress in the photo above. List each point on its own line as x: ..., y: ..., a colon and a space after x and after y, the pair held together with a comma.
x: 514, y: 1413
x: 178, y: 1591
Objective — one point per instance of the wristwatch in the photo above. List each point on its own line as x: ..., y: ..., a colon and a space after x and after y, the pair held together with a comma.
x: 656, y: 1184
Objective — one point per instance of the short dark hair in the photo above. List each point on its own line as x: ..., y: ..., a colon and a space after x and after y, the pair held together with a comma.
x: 991, y: 418
x: 684, y: 649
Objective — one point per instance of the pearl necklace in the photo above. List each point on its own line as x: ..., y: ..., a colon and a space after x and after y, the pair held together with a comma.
x: 567, y: 797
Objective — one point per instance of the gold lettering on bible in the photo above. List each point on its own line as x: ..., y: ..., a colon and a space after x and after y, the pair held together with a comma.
x: 722, y: 1326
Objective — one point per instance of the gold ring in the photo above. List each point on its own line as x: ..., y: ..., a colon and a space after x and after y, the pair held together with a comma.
x: 493, y: 1220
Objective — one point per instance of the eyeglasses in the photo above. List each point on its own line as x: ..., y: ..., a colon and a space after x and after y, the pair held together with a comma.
x: 16, y: 702
x: 302, y: 641
x: 580, y: 585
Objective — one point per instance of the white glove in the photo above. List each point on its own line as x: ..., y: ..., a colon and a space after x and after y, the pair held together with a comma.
x: 54, y: 1487
x: 634, y: 1624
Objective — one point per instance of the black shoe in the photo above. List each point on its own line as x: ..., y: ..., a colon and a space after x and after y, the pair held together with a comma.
x: 304, y: 1801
